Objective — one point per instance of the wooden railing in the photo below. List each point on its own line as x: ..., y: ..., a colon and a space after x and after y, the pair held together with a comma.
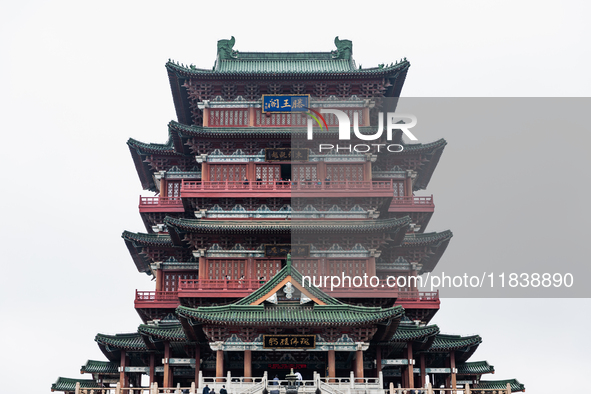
x: 220, y: 284
x: 249, y: 285
x: 148, y: 296
x: 249, y: 186
x: 418, y: 295
x: 412, y: 200
x: 167, y: 201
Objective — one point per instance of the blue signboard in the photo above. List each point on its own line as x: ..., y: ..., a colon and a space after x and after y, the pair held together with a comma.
x: 286, y: 102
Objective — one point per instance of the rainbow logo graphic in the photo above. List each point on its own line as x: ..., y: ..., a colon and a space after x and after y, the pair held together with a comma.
x: 315, y: 115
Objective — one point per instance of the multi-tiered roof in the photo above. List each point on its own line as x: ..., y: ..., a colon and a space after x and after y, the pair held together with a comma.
x: 224, y: 219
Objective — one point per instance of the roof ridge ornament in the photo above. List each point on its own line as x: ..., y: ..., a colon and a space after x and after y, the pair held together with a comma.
x: 344, y: 49
x: 225, y: 51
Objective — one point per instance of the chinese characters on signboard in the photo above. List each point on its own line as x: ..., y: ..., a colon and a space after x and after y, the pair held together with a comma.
x: 281, y: 250
x: 289, y: 341
x: 286, y: 103
x: 287, y: 154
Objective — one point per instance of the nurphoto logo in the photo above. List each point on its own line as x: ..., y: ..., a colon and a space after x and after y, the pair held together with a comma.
x: 394, y: 121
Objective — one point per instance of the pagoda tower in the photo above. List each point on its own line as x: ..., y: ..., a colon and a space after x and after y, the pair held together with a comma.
x: 254, y: 217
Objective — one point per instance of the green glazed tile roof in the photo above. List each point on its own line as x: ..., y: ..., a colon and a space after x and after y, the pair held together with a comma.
x: 67, y: 384
x: 145, y: 148
x: 93, y: 366
x: 429, y: 147
x: 445, y: 342
x: 183, y: 130
x: 285, y: 63
x: 412, y: 333
x: 170, y: 332
x: 418, y: 239
x: 144, y: 239
x: 321, y: 226
x: 319, y: 315
x: 131, y: 341
x: 500, y: 385
x: 475, y: 368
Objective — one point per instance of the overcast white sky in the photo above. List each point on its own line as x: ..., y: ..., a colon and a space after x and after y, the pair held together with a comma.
x: 77, y: 79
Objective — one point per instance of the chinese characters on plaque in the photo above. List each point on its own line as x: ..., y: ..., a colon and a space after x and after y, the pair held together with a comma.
x: 281, y: 250
x: 286, y: 103
x: 287, y: 154
x: 289, y: 341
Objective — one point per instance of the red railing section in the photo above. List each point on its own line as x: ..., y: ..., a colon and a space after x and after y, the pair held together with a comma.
x: 148, y: 296
x: 412, y: 200
x: 247, y: 186
x: 166, y: 201
x: 247, y: 286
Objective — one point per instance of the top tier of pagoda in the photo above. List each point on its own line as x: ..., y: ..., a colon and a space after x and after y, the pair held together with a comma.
x: 239, y: 76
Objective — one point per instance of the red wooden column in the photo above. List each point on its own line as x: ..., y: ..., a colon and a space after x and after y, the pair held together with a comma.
x: 251, y: 116
x: 367, y: 171
x: 251, y: 172
x: 452, y: 365
x: 423, y: 370
x: 167, y: 381
x: 413, y: 282
x: 371, y: 266
x: 219, y: 364
x: 321, y: 171
x: 248, y: 364
x: 152, y: 367
x: 158, y: 279
x: 359, y: 365
x: 197, y: 364
x: 410, y: 368
x: 123, y: 379
x: 378, y: 360
x: 331, y: 365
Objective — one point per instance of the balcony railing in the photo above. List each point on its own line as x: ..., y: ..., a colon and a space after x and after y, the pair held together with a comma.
x: 413, y: 200
x: 246, y: 285
x: 241, y: 288
x: 418, y: 295
x: 151, y: 296
x: 160, y: 201
x: 285, y: 186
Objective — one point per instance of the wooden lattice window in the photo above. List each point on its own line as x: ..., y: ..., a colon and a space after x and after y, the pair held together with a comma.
x: 227, y: 172
x: 173, y: 188
x: 345, y: 172
x: 220, y: 268
x: 268, y: 173
x: 307, y: 267
x: 350, y: 267
x: 228, y: 117
x: 304, y: 172
x: 267, y: 268
x: 398, y: 188
x: 171, y: 279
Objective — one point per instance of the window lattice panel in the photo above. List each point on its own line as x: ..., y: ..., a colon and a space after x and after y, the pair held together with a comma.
x: 220, y: 268
x: 171, y: 279
x: 267, y: 268
x: 232, y: 173
x: 345, y: 172
x: 307, y: 267
x: 228, y: 117
x: 304, y: 172
x: 350, y: 267
x: 268, y: 173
